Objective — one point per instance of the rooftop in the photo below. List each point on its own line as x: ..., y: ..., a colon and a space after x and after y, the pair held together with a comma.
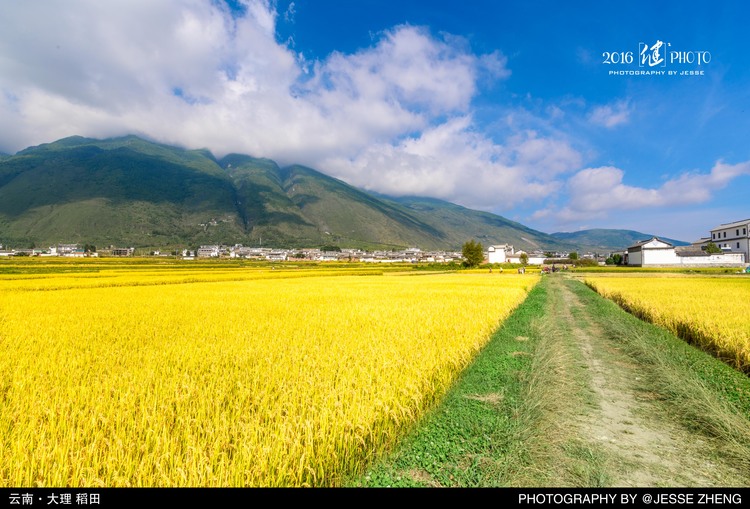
x: 744, y: 222
x: 644, y: 242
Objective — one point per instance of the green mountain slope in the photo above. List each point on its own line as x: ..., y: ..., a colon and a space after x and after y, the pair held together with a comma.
x: 610, y: 239
x: 301, y: 206
x: 132, y: 192
x: 270, y: 216
x: 123, y: 191
x: 347, y: 214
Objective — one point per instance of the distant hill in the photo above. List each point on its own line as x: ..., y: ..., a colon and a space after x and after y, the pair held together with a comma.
x: 610, y: 239
x: 132, y: 192
x: 485, y: 227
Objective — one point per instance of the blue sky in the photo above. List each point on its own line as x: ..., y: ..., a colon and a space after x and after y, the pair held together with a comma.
x: 502, y: 106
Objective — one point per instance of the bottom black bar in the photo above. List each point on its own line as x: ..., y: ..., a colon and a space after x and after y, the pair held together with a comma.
x: 505, y: 497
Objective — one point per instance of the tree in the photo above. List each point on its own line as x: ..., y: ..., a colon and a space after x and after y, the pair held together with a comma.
x: 712, y: 248
x: 617, y: 258
x: 473, y: 253
x: 524, y: 258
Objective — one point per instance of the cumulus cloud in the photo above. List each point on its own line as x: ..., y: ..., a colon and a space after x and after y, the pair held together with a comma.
x: 408, y: 67
x: 395, y: 117
x: 600, y: 192
x: 611, y: 115
x: 190, y: 71
x: 453, y: 162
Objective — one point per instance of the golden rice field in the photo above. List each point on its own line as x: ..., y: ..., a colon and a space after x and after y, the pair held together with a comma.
x: 228, y: 378
x: 711, y: 312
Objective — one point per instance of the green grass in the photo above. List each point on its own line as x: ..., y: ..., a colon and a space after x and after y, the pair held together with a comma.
x: 703, y: 393
x: 499, y: 425
x: 666, y: 354
x: 477, y: 436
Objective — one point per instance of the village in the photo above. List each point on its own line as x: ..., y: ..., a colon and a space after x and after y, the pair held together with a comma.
x: 238, y: 251
x: 728, y: 246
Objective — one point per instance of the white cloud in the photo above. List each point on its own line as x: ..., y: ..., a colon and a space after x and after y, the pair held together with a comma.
x: 542, y: 156
x: 611, y: 115
x: 395, y: 117
x: 453, y: 162
x: 407, y: 67
x: 290, y: 12
x: 191, y: 73
x: 600, y: 192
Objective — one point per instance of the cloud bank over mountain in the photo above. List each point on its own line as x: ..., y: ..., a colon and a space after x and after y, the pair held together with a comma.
x: 417, y: 111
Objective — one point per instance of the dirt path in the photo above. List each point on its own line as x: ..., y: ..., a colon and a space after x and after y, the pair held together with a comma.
x: 613, y: 418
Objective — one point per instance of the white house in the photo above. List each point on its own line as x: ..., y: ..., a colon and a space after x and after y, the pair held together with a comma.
x: 413, y: 253
x: 650, y: 252
x: 70, y: 250
x: 208, y: 251
x: 276, y: 256
x: 733, y: 237
x: 499, y: 253
x: 531, y: 258
x: 655, y: 252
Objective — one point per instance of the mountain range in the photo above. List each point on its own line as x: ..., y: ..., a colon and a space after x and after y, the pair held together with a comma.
x: 129, y: 191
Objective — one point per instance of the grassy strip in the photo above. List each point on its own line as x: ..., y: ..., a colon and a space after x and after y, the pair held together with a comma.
x: 479, y: 435
x: 707, y: 395
x: 561, y: 390
x: 655, y: 344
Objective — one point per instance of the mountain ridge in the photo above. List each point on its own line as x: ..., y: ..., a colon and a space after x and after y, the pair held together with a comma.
x: 612, y: 238
x: 136, y: 192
